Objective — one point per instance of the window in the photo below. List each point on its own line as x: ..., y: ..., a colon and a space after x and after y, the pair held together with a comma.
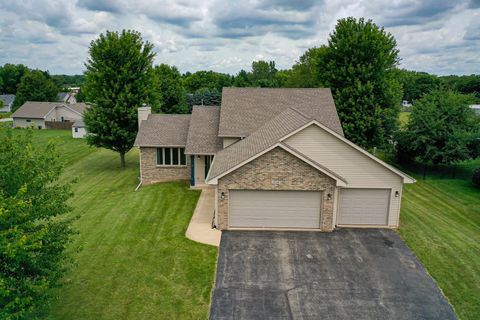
x: 171, y: 157
x: 76, y: 129
x: 28, y: 120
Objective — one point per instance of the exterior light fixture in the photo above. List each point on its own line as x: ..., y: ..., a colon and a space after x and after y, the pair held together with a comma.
x: 329, y: 196
x: 222, y: 195
x: 397, y: 194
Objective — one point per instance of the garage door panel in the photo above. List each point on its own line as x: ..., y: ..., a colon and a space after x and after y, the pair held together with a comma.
x: 274, y: 209
x: 364, y: 206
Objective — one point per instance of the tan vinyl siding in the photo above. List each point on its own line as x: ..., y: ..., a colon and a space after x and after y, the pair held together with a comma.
x: 358, y: 169
x: 229, y: 141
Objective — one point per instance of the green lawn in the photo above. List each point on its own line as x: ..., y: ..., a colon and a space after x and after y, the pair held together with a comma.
x: 404, y: 117
x: 132, y: 260
x: 440, y: 222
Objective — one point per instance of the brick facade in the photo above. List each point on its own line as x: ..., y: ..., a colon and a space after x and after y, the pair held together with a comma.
x: 277, y: 170
x: 151, y: 173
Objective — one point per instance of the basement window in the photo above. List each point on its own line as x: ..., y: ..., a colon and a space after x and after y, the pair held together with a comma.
x: 171, y: 157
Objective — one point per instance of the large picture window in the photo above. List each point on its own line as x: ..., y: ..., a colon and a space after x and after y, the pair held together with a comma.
x: 171, y: 157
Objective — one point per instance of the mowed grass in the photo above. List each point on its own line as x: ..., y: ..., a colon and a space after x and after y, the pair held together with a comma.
x: 404, y: 117
x: 440, y: 222
x: 131, y: 258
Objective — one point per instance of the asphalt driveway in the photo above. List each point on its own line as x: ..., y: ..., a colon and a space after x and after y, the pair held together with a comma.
x: 346, y: 274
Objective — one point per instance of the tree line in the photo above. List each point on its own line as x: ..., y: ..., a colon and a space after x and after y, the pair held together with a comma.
x: 359, y: 63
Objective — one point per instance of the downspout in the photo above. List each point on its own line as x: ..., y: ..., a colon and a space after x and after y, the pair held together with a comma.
x: 140, y: 156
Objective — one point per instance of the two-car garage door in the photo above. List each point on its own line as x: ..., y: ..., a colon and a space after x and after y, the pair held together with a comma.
x: 274, y: 209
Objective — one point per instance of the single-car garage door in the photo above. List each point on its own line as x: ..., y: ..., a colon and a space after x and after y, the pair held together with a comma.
x: 364, y: 206
x: 274, y: 209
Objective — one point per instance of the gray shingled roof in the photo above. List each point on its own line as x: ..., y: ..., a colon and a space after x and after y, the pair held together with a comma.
x: 79, y: 124
x: 268, y: 135
x: 35, y: 109
x: 38, y: 110
x: 7, y: 99
x: 80, y: 107
x: 163, y: 130
x: 203, y: 132
x: 244, y: 110
x: 63, y: 96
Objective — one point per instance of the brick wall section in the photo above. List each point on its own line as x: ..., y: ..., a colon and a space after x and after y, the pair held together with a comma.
x: 151, y: 173
x: 277, y: 170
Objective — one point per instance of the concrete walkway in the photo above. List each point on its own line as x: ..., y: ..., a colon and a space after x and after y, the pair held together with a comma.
x: 200, y: 227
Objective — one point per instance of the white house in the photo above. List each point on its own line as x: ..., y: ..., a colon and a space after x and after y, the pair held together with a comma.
x: 476, y: 108
x: 7, y: 102
x: 45, y: 115
x: 79, y: 130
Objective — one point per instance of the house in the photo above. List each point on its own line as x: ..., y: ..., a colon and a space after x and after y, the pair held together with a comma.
x: 48, y: 115
x: 406, y: 105
x: 66, y: 97
x: 79, y: 130
x: 277, y: 158
x: 7, y: 100
x: 476, y: 108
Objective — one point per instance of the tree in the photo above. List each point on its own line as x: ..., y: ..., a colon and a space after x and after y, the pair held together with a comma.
x: 35, y: 85
x: 241, y: 79
x: 206, y: 79
x: 80, y: 96
x: 263, y: 74
x: 442, y: 130
x: 305, y: 73
x: 34, y: 231
x: 416, y: 84
x: 464, y: 84
x: 204, y: 97
x: 119, y: 79
x: 357, y: 65
x: 11, y: 75
x: 171, y: 90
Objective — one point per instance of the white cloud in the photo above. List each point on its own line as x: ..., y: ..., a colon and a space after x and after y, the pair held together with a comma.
x: 439, y: 36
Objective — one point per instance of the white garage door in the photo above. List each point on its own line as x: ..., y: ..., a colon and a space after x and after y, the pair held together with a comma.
x: 364, y: 206
x: 274, y: 209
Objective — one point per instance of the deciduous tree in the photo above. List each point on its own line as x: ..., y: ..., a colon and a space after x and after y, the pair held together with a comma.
x: 357, y: 66
x: 35, y: 85
x: 119, y: 79
x: 33, y: 229
x: 442, y: 130
x: 170, y: 89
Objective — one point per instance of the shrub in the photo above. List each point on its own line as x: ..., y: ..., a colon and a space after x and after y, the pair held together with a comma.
x: 476, y: 178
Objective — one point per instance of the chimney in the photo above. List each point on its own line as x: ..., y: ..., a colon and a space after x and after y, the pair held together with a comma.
x: 143, y: 112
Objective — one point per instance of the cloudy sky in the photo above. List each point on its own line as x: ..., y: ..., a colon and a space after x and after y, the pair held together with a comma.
x: 438, y: 36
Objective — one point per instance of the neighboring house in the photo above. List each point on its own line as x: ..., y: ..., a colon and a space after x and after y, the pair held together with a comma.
x: 79, y: 130
x: 45, y: 115
x: 277, y: 159
x: 7, y: 100
x: 66, y: 97
x: 476, y: 108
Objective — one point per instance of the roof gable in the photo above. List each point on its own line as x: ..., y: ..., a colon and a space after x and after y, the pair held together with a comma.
x: 244, y: 110
x: 406, y: 178
x: 272, y: 135
x: 257, y: 142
